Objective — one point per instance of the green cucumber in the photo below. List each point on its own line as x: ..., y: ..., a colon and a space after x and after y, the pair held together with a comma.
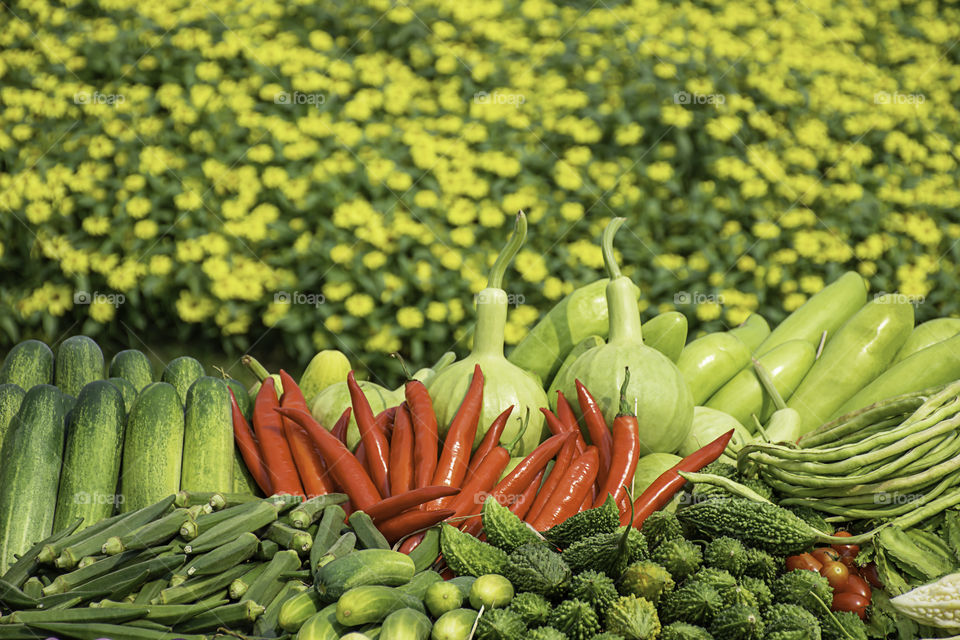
x: 181, y: 373
x: 152, y: 448
x: 454, y: 625
x: 71, y: 555
x: 290, y: 538
x: 97, y: 631
x: 224, y: 557
x: 133, y: 366
x: 29, y: 562
x: 368, y: 535
x: 269, y: 583
x: 166, y: 614
x: 259, y: 515
x: 309, y: 511
x: 79, y: 362
x: 268, y: 623
x: 344, y: 545
x: 243, y: 482
x: 11, y: 396
x: 126, y: 390
x: 328, y: 531
x: 425, y: 553
x: 406, y: 624
x: 323, y: 625
x: 86, y: 615
x: 373, y: 603
x: 367, y: 566
x: 298, y: 609
x: 238, y: 614
x: 208, y: 437
x: 239, y: 586
x: 28, y: 364
x: 28, y: 488
x: 153, y: 533
x: 91, y: 460
x: 198, y: 588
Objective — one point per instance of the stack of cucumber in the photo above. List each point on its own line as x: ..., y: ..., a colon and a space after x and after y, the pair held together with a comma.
x: 77, y: 444
x: 189, y: 564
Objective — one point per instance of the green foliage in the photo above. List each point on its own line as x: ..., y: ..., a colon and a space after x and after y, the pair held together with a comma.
x: 533, y: 567
x: 646, y: 579
x: 678, y: 556
x: 842, y: 625
x: 633, y: 618
x: 532, y: 608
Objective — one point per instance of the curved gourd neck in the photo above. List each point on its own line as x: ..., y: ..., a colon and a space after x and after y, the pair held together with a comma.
x: 621, y: 300
x: 491, y: 322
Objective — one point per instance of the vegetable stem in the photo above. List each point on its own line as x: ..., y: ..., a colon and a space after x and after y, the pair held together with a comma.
x: 609, y: 261
x: 495, y: 281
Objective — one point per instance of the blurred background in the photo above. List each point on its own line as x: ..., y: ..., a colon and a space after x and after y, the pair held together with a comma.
x: 217, y: 176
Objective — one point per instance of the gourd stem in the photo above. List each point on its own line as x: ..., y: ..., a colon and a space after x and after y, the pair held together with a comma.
x: 767, y: 381
x: 491, y: 322
x: 624, y: 403
x: 606, y: 243
x: 495, y: 281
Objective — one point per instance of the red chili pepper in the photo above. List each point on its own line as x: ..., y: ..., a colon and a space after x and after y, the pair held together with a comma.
x: 308, y: 460
x: 560, y: 465
x: 375, y: 442
x: 626, y: 450
x: 458, y: 444
x: 268, y: 426
x: 478, y: 485
x: 424, y: 432
x: 658, y: 494
x: 565, y: 412
x: 385, y: 419
x: 518, y: 480
x: 361, y: 455
x: 401, y: 453
x: 596, y: 427
x: 394, y: 505
x: 339, y: 430
x: 410, y: 521
x: 557, y: 426
x: 490, y: 440
x: 574, y: 487
x: 249, y: 449
x: 587, y: 502
x: 411, y: 543
x: 342, y: 464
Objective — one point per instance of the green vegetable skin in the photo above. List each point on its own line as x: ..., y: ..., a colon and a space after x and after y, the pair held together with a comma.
x: 326, y: 368
x: 580, y: 314
x: 208, y: 437
x: 860, y: 351
x: 667, y: 333
x: 709, y: 362
x: 152, y: 448
x: 133, y: 366
x: 11, y: 396
x: 590, y: 342
x: 826, y: 311
x: 28, y: 364
x: 28, y: 489
x: 329, y: 404
x: 936, y: 365
x: 928, y: 334
x: 708, y: 425
x: 657, y: 390
x: 505, y: 383
x: 91, y: 461
x: 753, y: 331
x: 79, y: 361
x: 743, y: 396
x: 181, y: 373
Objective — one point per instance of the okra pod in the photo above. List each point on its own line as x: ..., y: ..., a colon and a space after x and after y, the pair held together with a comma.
x: 191, y: 529
x: 344, y: 545
x: 185, y: 499
x: 238, y: 614
x: 83, y: 614
x: 239, y: 586
x: 229, y: 555
x: 425, y: 553
x: 268, y: 584
x: 69, y: 557
x: 14, y: 598
x: 263, y: 513
x: 308, y: 512
x: 150, y: 591
x: 328, y: 531
x: 52, y: 548
x: 290, y: 538
x: 67, y: 581
x: 26, y: 564
x: 97, y: 631
x: 224, y: 500
x: 368, y: 535
x: 108, y: 583
x: 266, y: 549
x: 168, y: 614
x: 149, y: 535
x: 33, y: 587
x: 198, y: 588
x: 268, y: 623
x: 65, y: 600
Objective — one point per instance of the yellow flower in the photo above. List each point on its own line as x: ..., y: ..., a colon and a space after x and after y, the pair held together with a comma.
x: 194, y: 308
x: 765, y: 230
x: 628, y: 135
x: 707, y: 311
x: 463, y: 236
x: 410, y: 318
x: 451, y: 260
x: 138, y: 207
x: 39, y: 211
x: 436, y: 311
x: 566, y: 176
x: 188, y: 201
x: 359, y: 305
x: 334, y: 324
x: 145, y: 229
x: 425, y: 199
x: 746, y: 263
x: 660, y: 171
x: 399, y: 181
x: 335, y: 292
x: 102, y: 311
x: 96, y: 225
x: 341, y: 254
x: 577, y: 156
x: 553, y: 288
x: 160, y: 265
x: 793, y: 301
x: 811, y: 284
x: 374, y: 260
x: 571, y: 211
x: 261, y: 153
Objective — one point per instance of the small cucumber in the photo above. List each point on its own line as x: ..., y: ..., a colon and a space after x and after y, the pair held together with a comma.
x: 365, y: 567
x: 491, y: 591
x: 268, y: 623
x: 207, y: 438
x: 28, y: 364
x: 442, y: 597
x: 406, y: 624
x: 132, y: 366
x: 368, y: 535
x: 181, y: 373
x: 308, y: 512
x: 454, y: 625
x: 298, y: 609
x: 328, y: 530
x: 323, y: 625
x: 79, y: 361
x: 373, y: 603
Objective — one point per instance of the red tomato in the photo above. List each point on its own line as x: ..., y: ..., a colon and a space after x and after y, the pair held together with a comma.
x: 856, y: 584
x: 846, y: 549
x: 826, y: 554
x: 869, y: 571
x: 846, y: 601
x: 836, y: 574
x: 803, y: 561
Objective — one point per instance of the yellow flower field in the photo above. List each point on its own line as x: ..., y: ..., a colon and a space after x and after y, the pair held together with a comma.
x: 344, y: 173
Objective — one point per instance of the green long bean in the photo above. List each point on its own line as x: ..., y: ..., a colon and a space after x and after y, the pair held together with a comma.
x: 856, y: 420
